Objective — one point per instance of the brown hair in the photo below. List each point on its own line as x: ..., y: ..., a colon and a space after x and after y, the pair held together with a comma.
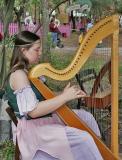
x: 24, y: 39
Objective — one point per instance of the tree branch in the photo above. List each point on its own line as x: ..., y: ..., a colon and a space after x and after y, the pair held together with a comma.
x: 57, y: 6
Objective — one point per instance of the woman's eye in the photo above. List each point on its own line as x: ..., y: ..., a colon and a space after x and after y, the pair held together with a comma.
x: 37, y: 50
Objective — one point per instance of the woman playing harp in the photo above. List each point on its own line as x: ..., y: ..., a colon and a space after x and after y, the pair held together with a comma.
x: 40, y: 133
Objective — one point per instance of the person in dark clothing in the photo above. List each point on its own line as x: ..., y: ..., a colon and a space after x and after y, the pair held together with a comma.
x: 1, y: 37
x: 55, y: 33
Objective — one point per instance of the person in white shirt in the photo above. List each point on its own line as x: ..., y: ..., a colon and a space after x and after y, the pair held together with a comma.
x: 28, y: 20
x: 89, y: 24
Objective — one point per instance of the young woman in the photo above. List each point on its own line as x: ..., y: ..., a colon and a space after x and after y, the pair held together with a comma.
x: 40, y: 133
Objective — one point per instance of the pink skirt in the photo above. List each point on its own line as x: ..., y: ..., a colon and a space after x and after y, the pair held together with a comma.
x: 49, y: 139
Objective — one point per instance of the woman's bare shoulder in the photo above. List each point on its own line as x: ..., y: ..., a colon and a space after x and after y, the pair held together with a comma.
x: 19, y: 79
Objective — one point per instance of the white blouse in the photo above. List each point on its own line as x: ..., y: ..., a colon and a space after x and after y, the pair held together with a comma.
x: 26, y: 100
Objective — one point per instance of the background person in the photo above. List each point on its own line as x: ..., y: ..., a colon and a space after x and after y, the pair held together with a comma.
x: 54, y: 32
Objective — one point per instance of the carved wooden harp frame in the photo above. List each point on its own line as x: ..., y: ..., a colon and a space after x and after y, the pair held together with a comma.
x: 106, y: 27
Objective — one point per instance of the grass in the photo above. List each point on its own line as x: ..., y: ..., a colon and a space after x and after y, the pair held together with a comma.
x: 60, y: 61
x: 7, y: 150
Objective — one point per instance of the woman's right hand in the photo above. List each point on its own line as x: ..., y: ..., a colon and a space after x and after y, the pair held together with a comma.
x: 73, y: 92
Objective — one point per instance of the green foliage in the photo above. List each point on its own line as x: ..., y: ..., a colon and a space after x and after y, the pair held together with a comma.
x: 101, y: 8
x: 60, y: 61
x: 120, y: 70
x: 1, y: 3
x: 18, y: 3
x: 34, y: 1
x: 49, y: 39
x: 1, y: 93
x: 119, y: 7
x: 82, y: 2
x: 55, y: 2
x: 7, y: 150
x: 8, y: 41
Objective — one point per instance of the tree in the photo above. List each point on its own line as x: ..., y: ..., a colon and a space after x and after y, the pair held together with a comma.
x: 57, y: 4
x: 19, y: 10
x: 118, y: 6
x: 101, y: 8
x: 45, y: 26
x: 8, y: 12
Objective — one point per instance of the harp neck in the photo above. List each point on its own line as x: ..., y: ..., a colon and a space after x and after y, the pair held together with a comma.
x: 101, y: 30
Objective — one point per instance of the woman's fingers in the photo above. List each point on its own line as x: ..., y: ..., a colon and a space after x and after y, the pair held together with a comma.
x: 77, y: 88
x: 80, y: 93
x: 67, y: 86
x: 74, y: 92
x: 79, y: 96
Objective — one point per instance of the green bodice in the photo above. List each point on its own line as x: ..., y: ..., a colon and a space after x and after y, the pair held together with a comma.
x: 12, y: 101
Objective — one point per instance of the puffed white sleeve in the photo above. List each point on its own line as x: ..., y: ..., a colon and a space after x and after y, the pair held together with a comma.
x: 26, y: 100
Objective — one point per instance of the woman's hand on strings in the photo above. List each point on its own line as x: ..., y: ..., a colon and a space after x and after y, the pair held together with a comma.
x: 73, y: 92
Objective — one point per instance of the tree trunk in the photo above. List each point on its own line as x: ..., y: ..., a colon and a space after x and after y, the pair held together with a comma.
x: 35, y: 14
x: 45, y: 31
x: 8, y: 10
x: 58, y: 6
x: 19, y: 13
x: 73, y: 21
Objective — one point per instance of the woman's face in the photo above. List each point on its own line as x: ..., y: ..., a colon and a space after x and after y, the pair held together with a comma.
x: 33, y: 53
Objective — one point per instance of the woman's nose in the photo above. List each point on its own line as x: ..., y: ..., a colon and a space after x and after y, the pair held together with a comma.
x: 39, y: 52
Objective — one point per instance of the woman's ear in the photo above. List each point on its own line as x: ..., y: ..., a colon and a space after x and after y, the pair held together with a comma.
x: 24, y: 51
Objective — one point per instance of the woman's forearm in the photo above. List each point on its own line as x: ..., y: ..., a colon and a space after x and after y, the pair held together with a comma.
x: 48, y: 106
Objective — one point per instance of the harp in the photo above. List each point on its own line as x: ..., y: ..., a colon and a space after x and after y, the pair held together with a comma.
x: 102, y: 100
x: 106, y: 27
